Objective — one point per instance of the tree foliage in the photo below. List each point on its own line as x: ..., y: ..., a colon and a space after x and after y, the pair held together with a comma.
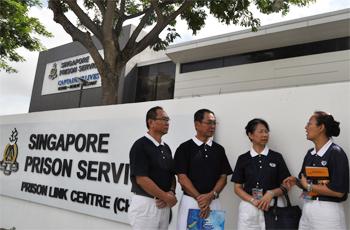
x: 110, y: 15
x: 16, y: 31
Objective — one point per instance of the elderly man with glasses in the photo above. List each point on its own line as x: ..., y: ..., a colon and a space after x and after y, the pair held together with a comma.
x: 153, y: 182
x: 202, y: 167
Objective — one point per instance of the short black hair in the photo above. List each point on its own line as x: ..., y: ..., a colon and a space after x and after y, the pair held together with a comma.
x: 331, y: 125
x: 199, y: 115
x: 251, y: 126
x: 152, y: 114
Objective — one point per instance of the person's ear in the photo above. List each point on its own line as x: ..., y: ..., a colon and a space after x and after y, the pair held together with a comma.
x: 250, y: 135
x: 150, y: 123
x: 322, y: 128
x: 197, y: 124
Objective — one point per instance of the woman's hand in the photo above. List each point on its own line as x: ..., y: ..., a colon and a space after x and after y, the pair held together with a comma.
x: 303, y: 181
x: 264, y: 203
x: 256, y: 202
x: 290, y: 181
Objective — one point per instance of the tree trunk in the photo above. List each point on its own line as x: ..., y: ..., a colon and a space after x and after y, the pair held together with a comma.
x: 110, y: 83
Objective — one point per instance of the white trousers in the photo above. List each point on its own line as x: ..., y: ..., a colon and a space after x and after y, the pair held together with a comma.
x: 322, y: 215
x: 188, y: 202
x: 251, y: 218
x: 143, y: 214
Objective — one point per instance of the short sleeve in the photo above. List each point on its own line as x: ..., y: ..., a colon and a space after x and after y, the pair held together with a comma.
x: 181, y: 160
x: 139, y: 162
x: 339, y: 171
x: 226, y: 167
x: 302, y: 170
x: 283, y: 171
x: 238, y: 175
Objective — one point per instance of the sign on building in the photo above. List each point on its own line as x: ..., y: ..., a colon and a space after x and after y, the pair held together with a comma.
x: 60, y: 76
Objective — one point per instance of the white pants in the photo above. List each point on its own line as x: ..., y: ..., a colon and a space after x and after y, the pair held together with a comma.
x: 322, y: 215
x: 188, y: 202
x: 143, y: 214
x: 251, y: 218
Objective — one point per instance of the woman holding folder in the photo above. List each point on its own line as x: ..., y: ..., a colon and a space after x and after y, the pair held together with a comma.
x: 323, y: 208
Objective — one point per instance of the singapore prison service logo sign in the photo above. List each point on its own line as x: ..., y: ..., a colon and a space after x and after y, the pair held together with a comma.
x: 9, y: 163
x: 89, y: 179
x: 72, y: 82
x: 61, y: 76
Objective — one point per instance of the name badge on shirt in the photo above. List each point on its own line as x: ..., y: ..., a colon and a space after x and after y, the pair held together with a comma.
x: 305, y: 196
x: 257, y: 193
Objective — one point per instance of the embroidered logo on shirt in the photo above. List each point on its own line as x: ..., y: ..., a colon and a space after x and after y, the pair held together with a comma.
x: 273, y: 165
x: 323, y: 163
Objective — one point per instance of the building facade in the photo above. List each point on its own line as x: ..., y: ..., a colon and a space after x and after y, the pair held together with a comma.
x: 306, y: 51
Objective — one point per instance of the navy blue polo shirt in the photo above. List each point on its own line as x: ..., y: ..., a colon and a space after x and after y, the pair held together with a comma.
x: 272, y: 167
x: 155, y: 162
x: 202, y: 164
x: 336, y: 161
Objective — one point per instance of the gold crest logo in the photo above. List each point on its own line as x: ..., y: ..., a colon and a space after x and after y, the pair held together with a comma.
x: 9, y: 163
x: 53, y: 72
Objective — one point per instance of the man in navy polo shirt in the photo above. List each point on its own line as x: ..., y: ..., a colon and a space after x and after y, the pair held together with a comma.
x: 202, y: 167
x: 153, y: 182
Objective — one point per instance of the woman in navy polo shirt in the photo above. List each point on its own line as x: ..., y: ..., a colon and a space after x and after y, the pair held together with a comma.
x: 258, y: 175
x: 323, y: 211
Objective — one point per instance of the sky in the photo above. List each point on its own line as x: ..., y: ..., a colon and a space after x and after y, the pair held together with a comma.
x: 16, y: 89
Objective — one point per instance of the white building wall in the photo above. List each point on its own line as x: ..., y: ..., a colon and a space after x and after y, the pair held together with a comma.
x: 285, y: 109
x: 291, y: 72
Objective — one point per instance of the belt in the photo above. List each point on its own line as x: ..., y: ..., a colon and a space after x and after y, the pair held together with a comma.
x: 146, y: 195
x: 326, y: 198
x: 195, y: 198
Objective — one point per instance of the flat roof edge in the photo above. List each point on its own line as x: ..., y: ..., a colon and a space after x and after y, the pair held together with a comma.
x: 324, y: 16
x: 154, y: 61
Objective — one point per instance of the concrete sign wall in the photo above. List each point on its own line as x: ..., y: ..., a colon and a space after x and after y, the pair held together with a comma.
x: 72, y: 165
x: 80, y: 166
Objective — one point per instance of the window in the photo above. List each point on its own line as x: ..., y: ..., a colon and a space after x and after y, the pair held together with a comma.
x: 332, y: 45
x: 155, y: 82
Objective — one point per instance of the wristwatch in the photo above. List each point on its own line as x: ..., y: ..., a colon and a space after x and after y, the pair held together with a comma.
x: 309, y: 187
x: 215, y: 194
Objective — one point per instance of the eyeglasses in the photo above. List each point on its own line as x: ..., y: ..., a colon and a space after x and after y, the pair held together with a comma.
x: 309, y: 123
x: 164, y: 119
x: 210, y: 123
x: 263, y: 132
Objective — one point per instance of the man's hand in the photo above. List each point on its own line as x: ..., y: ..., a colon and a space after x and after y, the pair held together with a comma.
x: 170, y: 201
x: 161, y: 204
x: 205, y: 200
x: 204, y: 213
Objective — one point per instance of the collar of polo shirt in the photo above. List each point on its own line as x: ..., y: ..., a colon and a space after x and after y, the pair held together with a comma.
x: 154, y: 141
x: 199, y: 143
x: 264, y: 152
x: 323, y: 150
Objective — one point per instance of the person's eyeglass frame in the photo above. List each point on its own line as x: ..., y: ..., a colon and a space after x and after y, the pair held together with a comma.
x: 164, y: 119
x: 309, y: 123
x: 210, y: 123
